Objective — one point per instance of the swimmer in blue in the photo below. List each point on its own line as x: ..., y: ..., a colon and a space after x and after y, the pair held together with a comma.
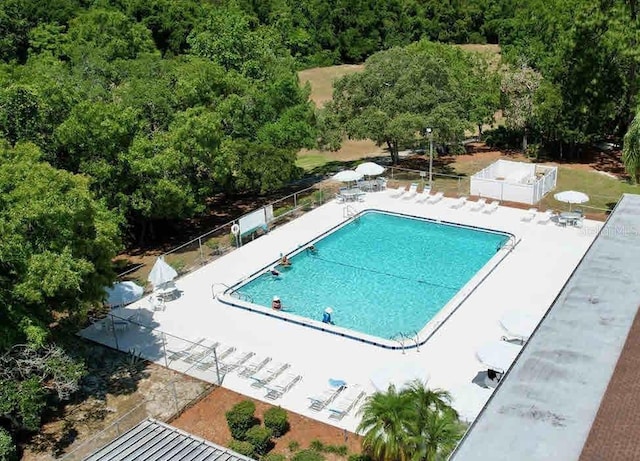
x: 326, y: 316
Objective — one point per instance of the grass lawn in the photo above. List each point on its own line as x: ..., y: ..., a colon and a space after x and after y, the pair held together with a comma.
x: 603, y: 191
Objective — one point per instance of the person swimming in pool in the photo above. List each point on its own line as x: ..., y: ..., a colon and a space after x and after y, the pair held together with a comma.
x: 276, y: 304
x: 284, y: 261
x: 273, y: 271
x: 326, y: 316
x: 312, y: 249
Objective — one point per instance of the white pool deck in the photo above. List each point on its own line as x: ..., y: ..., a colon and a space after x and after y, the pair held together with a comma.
x: 528, y: 279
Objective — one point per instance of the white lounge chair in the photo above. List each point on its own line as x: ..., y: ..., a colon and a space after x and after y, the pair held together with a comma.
x: 202, y: 350
x: 424, y: 195
x: 281, y: 385
x: 234, y: 360
x: 479, y: 205
x: 268, y: 373
x: 396, y: 193
x: 253, y: 365
x: 345, y: 401
x: 411, y: 193
x: 209, y: 360
x: 545, y: 217
x: 176, y: 354
x: 529, y: 215
x: 491, y: 207
x: 326, y: 396
x: 459, y: 203
x: 435, y: 198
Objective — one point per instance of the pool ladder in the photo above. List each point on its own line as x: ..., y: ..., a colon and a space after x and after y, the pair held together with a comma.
x: 404, y: 338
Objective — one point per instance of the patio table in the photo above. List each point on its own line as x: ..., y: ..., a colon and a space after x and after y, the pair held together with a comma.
x: 570, y: 217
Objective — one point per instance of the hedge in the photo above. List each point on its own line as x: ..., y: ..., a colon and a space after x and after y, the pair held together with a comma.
x: 275, y: 418
x: 241, y: 418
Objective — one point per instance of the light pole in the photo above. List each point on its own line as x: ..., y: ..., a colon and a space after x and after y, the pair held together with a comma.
x: 430, y: 133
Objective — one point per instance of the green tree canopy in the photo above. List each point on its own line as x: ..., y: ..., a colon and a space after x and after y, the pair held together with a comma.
x: 57, y: 245
x: 402, y: 91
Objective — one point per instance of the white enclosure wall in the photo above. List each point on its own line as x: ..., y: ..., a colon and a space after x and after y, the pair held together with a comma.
x: 514, y: 181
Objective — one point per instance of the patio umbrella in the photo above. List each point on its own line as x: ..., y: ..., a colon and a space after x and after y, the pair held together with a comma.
x: 161, y: 273
x: 498, y: 355
x: 520, y: 325
x: 399, y: 374
x: 123, y: 293
x: 370, y: 169
x: 571, y: 197
x: 347, y: 176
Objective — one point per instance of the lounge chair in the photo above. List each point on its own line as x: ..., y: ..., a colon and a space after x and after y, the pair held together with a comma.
x: 281, y: 385
x: 491, y: 207
x: 435, y: 198
x: 345, y: 402
x: 424, y: 195
x: 234, y: 360
x: 325, y: 397
x: 545, y: 217
x: 209, y: 360
x: 268, y: 373
x: 479, y: 205
x: 201, y: 351
x: 396, y: 193
x: 412, y: 192
x: 253, y: 365
x: 529, y: 215
x: 182, y: 353
x: 459, y: 203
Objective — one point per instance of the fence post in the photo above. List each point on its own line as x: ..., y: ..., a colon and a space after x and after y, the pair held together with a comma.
x: 200, y: 248
x: 164, y: 349
x: 295, y: 200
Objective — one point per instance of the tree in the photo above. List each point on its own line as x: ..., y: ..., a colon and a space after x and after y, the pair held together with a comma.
x: 631, y: 150
x: 404, y: 90
x: 413, y: 424
x: 519, y: 87
x: 57, y: 246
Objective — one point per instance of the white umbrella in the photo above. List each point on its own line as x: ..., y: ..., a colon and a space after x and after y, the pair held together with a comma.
x: 370, y: 169
x: 571, y: 197
x: 400, y: 374
x: 519, y: 325
x: 123, y: 293
x: 347, y: 176
x: 498, y: 355
x: 161, y: 273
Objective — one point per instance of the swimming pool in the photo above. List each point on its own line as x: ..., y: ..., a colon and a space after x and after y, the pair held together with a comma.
x: 383, y: 274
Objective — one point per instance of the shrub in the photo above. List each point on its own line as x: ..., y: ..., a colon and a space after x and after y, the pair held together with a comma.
x: 240, y: 419
x: 361, y: 457
x: 260, y: 438
x: 308, y: 455
x: 244, y: 448
x: 274, y: 457
x: 275, y: 418
x: 337, y: 449
x: 294, y: 446
x: 316, y: 445
x: 7, y: 448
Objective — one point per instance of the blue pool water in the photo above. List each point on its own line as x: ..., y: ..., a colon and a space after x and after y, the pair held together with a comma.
x: 382, y: 274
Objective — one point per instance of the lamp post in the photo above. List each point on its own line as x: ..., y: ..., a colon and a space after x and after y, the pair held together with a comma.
x: 430, y: 133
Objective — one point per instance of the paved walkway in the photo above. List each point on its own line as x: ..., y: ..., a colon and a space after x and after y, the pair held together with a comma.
x: 528, y: 279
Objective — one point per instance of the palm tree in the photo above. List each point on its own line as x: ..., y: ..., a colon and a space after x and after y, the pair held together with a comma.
x: 416, y: 424
x: 384, y: 419
x: 631, y: 149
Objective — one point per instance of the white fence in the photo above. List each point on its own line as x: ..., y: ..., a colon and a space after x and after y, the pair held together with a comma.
x: 505, y: 180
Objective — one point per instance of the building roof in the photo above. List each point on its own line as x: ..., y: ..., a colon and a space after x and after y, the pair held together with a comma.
x: 546, y: 405
x: 153, y: 440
